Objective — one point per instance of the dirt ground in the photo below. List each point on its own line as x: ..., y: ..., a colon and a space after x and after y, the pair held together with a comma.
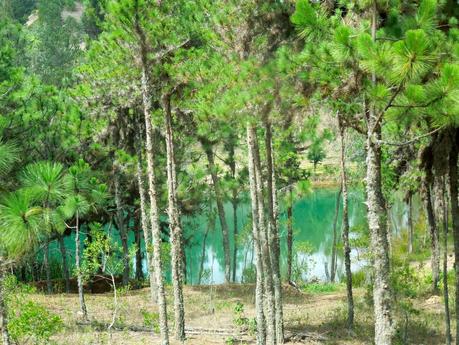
x: 317, y: 318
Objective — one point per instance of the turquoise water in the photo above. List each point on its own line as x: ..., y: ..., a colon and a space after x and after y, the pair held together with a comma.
x: 313, y: 235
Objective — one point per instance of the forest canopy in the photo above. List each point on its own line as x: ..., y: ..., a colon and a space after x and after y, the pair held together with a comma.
x: 167, y: 163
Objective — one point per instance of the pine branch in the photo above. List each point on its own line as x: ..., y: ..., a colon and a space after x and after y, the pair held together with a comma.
x: 381, y: 142
x: 388, y: 105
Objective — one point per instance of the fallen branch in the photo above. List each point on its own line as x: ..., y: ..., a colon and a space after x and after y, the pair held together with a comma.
x: 188, y: 330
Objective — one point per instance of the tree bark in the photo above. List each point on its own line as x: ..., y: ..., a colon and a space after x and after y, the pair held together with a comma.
x: 154, y: 218
x: 259, y: 287
x: 210, y: 225
x: 138, y: 253
x: 121, y: 226
x: 441, y: 211
x: 83, y: 308
x: 410, y: 224
x: 3, y: 307
x: 335, y: 238
x: 273, y: 233
x: 49, y: 285
x: 290, y: 233
x: 453, y: 192
x: 174, y: 225
x: 220, y: 209
x: 434, y: 234
x: 377, y: 222
x: 234, y: 203
x: 65, y: 266
x: 144, y: 220
x: 347, y: 247
x: 269, y: 300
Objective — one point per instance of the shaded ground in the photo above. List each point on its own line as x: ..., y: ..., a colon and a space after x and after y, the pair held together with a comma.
x: 319, y: 316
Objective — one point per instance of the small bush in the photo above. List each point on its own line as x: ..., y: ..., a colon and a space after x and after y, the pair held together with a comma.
x: 249, y: 275
x: 359, y: 279
x: 321, y: 287
x: 241, y: 321
x: 32, y: 322
x: 151, y: 320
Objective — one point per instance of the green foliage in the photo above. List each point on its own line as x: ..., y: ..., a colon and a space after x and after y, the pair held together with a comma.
x: 318, y: 288
x: 151, y: 320
x: 241, y: 321
x: 30, y: 322
x: 302, y: 260
x: 249, y: 274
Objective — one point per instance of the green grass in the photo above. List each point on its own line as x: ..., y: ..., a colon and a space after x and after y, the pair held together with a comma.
x: 317, y: 288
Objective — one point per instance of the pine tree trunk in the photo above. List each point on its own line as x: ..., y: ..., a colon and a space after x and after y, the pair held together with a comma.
x: 335, y: 238
x: 441, y: 211
x: 138, y: 253
x: 453, y: 192
x: 65, y: 266
x: 432, y: 226
x: 269, y: 300
x: 220, y: 209
x: 83, y: 309
x: 347, y: 247
x: 3, y: 307
x: 410, y: 224
x: 259, y: 288
x: 377, y: 223
x: 273, y: 234
x: 210, y: 225
x: 49, y: 285
x: 154, y: 218
x: 174, y: 225
x: 121, y: 226
x: 290, y: 233
x: 234, y: 203
x: 144, y: 220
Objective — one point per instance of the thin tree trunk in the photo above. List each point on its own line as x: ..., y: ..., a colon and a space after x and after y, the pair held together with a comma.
x: 234, y: 202
x: 347, y: 247
x: 121, y: 226
x: 410, y: 224
x: 83, y: 309
x: 65, y: 266
x: 273, y: 234
x: 154, y: 219
x: 441, y: 208
x: 49, y: 285
x: 3, y: 308
x: 220, y: 209
x: 290, y: 233
x: 138, y: 253
x: 265, y: 246
x: 335, y: 238
x: 144, y: 221
x: 174, y: 225
x: 259, y: 288
x: 453, y: 192
x: 377, y: 222
x: 210, y: 225
x: 434, y: 235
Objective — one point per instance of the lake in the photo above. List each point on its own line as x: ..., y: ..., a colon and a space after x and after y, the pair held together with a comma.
x: 313, y: 217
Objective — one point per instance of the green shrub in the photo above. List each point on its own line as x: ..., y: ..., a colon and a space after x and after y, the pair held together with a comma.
x: 320, y: 287
x: 150, y: 320
x: 358, y: 279
x: 241, y: 321
x: 249, y: 275
x: 31, y: 322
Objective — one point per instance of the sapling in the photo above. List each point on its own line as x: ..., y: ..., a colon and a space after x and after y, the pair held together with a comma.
x: 104, y: 259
